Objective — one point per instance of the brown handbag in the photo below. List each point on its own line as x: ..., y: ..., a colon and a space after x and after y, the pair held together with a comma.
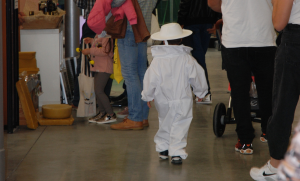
x: 116, y: 29
x: 140, y: 30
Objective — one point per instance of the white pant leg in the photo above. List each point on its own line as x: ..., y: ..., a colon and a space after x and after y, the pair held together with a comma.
x: 178, y: 136
x: 162, y: 136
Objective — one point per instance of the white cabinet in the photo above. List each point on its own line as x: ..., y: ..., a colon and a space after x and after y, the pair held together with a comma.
x: 48, y: 45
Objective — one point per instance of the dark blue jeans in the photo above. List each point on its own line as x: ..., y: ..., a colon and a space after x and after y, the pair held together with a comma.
x: 199, y: 41
x: 240, y: 63
x: 286, y: 91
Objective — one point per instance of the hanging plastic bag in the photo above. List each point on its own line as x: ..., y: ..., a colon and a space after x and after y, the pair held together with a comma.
x: 154, y: 28
x: 253, y: 90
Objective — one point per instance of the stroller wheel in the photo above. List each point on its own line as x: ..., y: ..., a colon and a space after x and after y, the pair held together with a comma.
x: 218, y: 124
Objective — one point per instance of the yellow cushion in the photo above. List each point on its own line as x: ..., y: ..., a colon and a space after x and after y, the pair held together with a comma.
x: 56, y: 111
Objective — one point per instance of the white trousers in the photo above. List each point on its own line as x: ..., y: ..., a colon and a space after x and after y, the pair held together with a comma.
x: 174, y: 123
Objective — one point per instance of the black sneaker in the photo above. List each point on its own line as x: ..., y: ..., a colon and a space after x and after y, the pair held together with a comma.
x: 177, y: 160
x: 247, y: 149
x: 164, y: 155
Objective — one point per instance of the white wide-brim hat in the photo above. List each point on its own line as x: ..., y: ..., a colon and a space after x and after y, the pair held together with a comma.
x: 171, y: 31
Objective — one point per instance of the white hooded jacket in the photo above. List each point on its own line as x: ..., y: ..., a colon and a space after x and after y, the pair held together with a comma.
x: 171, y: 73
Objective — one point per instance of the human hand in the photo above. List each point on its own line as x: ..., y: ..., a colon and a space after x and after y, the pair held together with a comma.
x: 149, y: 103
x: 21, y: 18
x: 87, y: 40
x: 219, y: 23
x: 199, y: 99
x: 212, y: 30
x: 215, y: 27
x: 86, y: 51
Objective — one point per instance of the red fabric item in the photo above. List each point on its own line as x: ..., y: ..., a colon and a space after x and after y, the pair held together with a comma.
x: 96, y: 19
x: 127, y: 9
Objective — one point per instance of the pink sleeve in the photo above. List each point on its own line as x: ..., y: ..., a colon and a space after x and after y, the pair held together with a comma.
x: 96, y: 19
x: 94, y: 51
x: 130, y: 12
x: 92, y: 42
x: 128, y: 9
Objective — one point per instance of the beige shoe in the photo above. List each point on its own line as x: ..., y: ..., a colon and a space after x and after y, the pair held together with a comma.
x: 128, y: 124
x: 107, y: 119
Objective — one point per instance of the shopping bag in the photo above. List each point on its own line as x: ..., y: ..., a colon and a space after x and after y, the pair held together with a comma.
x: 117, y: 75
x: 154, y: 28
x: 87, y: 102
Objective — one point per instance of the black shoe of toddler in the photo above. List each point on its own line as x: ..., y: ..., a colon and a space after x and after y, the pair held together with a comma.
x: 164, y: 155
x: 176, y: 160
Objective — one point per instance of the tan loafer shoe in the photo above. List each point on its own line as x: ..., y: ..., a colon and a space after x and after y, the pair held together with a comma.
x: 128, y: 124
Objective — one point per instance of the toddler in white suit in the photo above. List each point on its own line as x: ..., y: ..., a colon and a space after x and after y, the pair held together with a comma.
x: 168, y: 81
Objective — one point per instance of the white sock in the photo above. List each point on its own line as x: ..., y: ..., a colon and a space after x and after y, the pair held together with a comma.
x: 272, y: 169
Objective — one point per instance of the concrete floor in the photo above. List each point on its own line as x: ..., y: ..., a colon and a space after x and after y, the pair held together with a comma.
x: 91, y: 152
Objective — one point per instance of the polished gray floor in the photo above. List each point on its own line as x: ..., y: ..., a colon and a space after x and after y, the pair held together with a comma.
x: 91, y: 152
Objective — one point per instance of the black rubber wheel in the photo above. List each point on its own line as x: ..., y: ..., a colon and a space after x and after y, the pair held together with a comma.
x: 220, y: 110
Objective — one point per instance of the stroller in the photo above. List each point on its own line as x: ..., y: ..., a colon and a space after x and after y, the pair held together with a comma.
x: 222, y: 116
